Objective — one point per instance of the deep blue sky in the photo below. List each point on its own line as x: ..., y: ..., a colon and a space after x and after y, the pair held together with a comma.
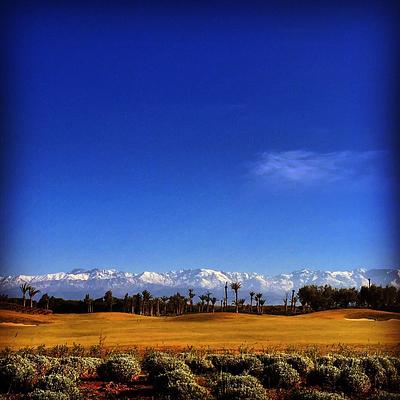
x: 240, y: 138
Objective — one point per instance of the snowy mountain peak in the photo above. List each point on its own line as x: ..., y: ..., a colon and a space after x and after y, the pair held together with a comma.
x: 96, y: 281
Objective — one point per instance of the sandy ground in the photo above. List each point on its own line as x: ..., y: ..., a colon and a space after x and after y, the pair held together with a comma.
x: 216, y: 331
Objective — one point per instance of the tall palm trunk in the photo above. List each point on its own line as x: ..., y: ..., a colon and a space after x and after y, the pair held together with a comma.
x: 236, y: 301
x: 226, y: 297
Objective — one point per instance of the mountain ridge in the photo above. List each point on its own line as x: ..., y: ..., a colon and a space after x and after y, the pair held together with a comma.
x: 79, y: 281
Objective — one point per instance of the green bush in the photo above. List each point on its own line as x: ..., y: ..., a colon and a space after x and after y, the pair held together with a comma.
x: 374, y: 370
x: 40, y: 394
x: 325, y: 360
x: 119, y: 368
x: 66, y: 370
x: 393, y: 380
x: 237, y: 364
x: 314, y: 395
x: 268, y: 358
x: 281, y: 375
x: 342, y: 362
x: 382, y: 395
x: 60, y: 350
x: 17, y: 373
x: 243, y: 387
x: 41, y: 364
x: 157, y: 363
x: 338, y: 361
x: 179, y: 385
x: 197, y: 364
x: 353, y: 380
x: 325, y: 376
x: 302, y: 364
x: 60, y: 383
x: 83, y: 366
x: 395, y: 361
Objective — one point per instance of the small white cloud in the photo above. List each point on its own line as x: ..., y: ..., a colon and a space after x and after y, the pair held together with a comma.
x: 300, y: 166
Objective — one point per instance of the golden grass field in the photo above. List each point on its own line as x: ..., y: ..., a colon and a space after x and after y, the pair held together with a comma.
x: 356, y: 328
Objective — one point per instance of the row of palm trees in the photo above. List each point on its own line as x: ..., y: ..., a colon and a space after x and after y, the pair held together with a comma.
x: 145, y: 304
x: 32, y: 292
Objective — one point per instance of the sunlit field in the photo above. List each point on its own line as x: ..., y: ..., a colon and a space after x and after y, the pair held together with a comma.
x: 357, y: 328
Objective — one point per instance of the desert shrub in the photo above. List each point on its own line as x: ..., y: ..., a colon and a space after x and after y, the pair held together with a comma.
x: 236, y: 365
x: 374, y: 370
x: 197, y: 363
x: 40, y: 394
x: 60, y: 350
x: 314, y: 395
x: 90, y: 365
x: 16, y: 373
x: 83, y: 366
x: 382, y: 395
x: 395, y: 361
x: 326, y: 376
x: 338, y: 360
x: 41, y: 364
x: 325, y: 360
x: 66, y: 370
x: 25, y: 351
x: 119, y: 368
x: 393, y: 380
x: 77, y: 350
x: 302, y: 364
x: 281, y: 375
x: 60, y: 383
x: 232, y: 387
x: 346, y: 362
x: 268, y: 358
x: 179, y: 385
x: 354, y: 380
x: 156, y: 363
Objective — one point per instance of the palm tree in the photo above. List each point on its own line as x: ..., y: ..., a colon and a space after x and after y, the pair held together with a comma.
x: 208, y: 298
x: 262, y: 302
x: 213, y: 301
x: 235, y: 286
x: 146, y: 299
x: 158, y: 301
x: 295, y: 298
x: 126, y: 303
x: 89, y: 303
x: 32, y: 292
x: 226, y: 297
x: 251, y: 301
x: 164, y: 300
x: 241, y: 303
x: 202, y: 298
x: 24, y: 289
x: 285, y: 301
x: 138, y: 301
x: 108, y: 298
x: 258, y: 297
x: 45, y: 299
x: 191, y: 296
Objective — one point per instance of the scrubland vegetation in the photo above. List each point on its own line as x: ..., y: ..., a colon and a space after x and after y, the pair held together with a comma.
x: 76, y: 373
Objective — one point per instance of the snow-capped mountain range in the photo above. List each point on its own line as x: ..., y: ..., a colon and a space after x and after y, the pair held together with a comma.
x: 78, y: 282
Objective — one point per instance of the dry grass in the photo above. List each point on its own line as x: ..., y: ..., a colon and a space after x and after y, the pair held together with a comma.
x: 217, y: 331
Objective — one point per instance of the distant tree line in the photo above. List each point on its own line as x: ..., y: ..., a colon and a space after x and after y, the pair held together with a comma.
x: 308, y: 298
x: 317, y: 298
